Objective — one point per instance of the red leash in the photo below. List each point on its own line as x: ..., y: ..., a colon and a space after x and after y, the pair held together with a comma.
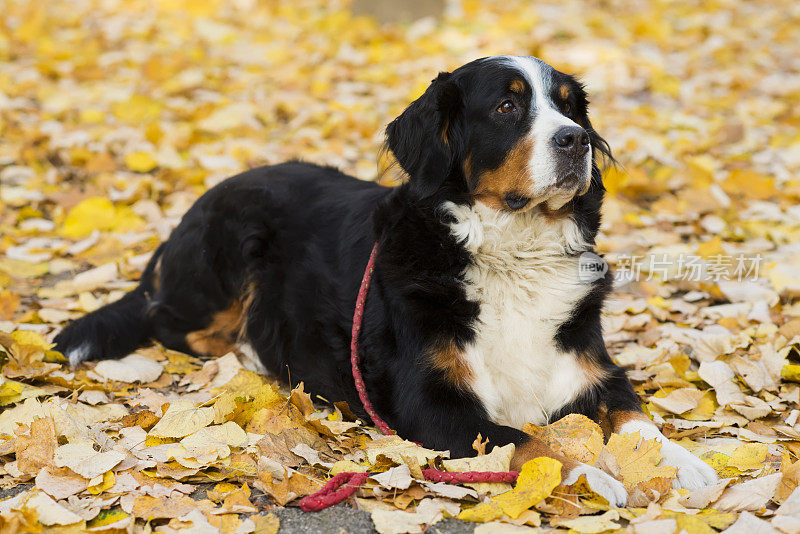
x: 333, y: 492
x: 357, y: 316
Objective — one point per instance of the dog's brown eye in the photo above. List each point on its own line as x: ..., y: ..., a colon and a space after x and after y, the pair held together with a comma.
x: 566, y: 108
x: 506, y: 107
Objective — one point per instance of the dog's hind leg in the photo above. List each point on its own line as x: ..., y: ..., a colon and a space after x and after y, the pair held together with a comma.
x: 115, y: 329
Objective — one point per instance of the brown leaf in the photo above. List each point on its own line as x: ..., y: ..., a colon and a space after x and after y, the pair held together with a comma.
x: 36, y: 451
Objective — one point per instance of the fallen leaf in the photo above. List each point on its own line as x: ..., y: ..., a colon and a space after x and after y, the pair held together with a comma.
x: 132, y: 368
x: 50, y: 512
x: 181, y: 419
x: 637, y: 459
x: 84, y: 460
x: 60, y: 483
x: 149, y: 508
x: 591, y: 524
x: 536, y: 481
x: 35, y: 452
x: 752, y: 495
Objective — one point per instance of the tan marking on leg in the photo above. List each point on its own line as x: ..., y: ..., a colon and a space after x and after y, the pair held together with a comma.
x: 604, y: 421
x: 226, y: 329
x: 620, y: 417
x: 594, y: 371
x: 247, y: 303
x: 448, y: 358
x: 157, y: 275
x: 509, y: 177
x: 517, y: 86
x: 612, y: 421
x: 536, y: 448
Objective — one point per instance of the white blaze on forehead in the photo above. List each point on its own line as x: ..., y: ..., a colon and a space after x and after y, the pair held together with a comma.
x: 547, y: 120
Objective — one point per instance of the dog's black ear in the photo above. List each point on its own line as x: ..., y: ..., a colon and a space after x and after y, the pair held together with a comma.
x: 426, y: 138
x: 600, y: 145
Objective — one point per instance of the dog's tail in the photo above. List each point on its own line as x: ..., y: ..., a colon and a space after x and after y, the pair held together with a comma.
x: 114, y: 330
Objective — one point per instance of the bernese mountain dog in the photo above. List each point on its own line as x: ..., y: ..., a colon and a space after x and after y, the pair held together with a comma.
x: 478, y: 318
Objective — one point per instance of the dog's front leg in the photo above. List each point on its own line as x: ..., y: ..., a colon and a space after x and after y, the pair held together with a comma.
x: 601, y: 482
x: 693, y: 473
x: 621, y: 413
x: 449, y: 429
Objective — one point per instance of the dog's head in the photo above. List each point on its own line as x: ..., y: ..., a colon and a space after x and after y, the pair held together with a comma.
x: 512, y: 131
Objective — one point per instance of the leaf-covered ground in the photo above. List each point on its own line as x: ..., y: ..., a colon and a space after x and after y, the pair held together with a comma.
x: 115, y: 115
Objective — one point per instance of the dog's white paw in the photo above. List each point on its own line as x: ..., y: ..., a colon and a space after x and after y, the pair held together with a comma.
x: 693, y: 473
x: 602, y: 483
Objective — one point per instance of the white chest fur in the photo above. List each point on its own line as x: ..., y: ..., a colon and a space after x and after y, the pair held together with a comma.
x: 525, y: 277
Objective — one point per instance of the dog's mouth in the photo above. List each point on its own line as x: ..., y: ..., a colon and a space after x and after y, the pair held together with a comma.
x: 568, y: 181
x: 564, y: 189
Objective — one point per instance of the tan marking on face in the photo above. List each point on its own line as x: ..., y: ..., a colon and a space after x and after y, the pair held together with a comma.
x: 536, y: 448
x: 517, y: 86
x: 226, y: 329
x: 468, y: 167
x: 510, y: 176
x: 563, y: 91
x: 586, y: 187
x: 448, y: 358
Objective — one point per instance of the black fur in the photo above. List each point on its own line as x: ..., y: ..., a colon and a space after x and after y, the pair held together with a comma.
x: 300, y: 235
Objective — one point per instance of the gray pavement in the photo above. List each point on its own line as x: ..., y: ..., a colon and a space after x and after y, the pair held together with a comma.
x: 340, y: 519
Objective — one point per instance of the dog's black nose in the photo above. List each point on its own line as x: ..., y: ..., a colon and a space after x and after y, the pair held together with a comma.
x: 572, y: 139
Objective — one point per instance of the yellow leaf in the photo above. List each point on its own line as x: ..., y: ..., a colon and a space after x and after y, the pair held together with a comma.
x: 218, y: 492
x: 30, y: 340
x: 140, y: 161
x: 576, y: 436
x: 266, y: 524
x: 106, y: 480
x: 711, y: 248
x: 749, y: 183
x: 108, y: 517
x: 590, y: 524
x: 614, y: 179
x: 637, y: 461
x: 536, y: 482
x: 791, y: 373
x: 344, y: 466
x: 98, y: 213
x: 749, y: 456
x: 9, y: 303
x: 147, y: 507
x: 23, y: 269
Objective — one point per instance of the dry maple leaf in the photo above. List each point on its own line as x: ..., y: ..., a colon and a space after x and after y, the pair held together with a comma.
x: 635, y: 460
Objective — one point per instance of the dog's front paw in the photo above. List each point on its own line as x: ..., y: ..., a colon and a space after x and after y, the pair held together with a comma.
x: 693, y: 473
x: 602, y: 483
